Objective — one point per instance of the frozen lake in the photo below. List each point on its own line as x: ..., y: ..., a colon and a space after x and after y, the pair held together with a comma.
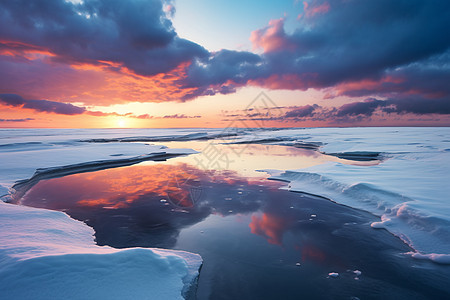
x: 259, y: 238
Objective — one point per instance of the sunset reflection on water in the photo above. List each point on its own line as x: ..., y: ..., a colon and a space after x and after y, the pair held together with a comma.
x: 154, y: 204
x: 239, y: 222
x: 150, y: 203
x: 168, y: 196
x: 271, y: 227
x: 180, y: 184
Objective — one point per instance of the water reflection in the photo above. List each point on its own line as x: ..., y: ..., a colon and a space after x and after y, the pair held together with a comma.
x: 246, y: 158
x: 271, y: 227
x: 257, y: 242
x: 148, y: 204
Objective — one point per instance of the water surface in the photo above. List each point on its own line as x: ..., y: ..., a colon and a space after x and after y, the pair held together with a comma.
x: 257, y: 241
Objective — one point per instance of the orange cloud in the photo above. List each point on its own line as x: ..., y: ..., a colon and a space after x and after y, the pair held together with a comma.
x: 23, y: 50
x: 97, y: 82
x: 125, y: 86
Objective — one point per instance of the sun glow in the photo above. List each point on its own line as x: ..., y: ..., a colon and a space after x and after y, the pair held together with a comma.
x: 121, y: 123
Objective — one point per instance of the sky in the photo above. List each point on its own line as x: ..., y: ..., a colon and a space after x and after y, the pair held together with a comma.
x: 198, y: 63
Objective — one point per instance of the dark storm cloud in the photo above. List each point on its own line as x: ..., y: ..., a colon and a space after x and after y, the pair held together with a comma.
x: 135, y: 34
x: 361, y: 108
x: 12, y: 100
x: 418, y: 106
x: 209, y: 75
x: 41, y: 105
x: 355, y: 111
x: 222, y: 66
x: 301, y: 112
x: 350, y: 41
x: 429, y: 78
x: 55, y: 107
x: 402, y: 47
x: 413, y: 105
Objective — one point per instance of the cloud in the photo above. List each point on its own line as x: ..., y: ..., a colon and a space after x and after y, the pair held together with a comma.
x: 428, y: 78
x: 180, y: 116
x: 352, y: 112
x: 300, y: 112
x: 12, y: 100
x: 272, y: 38
x: 41, y: 105
x: 55, y: 107
x: 310, y: 10
x: 280, y: 113
x: 410, y: 105
x: 47, y: 106
x: 103, y: 114
x: 144, y: 117
x: 220, y: 72
x: 382, y: 38
x: 169, y: 8
x: 175, y: 116
x: 366, y: 107
x: 135, y: 34
x: 91, y: 85
x: 16, y: 120
x: 418, y: 106
x: 113, y: 51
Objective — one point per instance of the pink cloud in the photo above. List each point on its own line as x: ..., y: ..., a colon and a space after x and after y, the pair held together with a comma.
x: 271, y: 38
x: 285, y: 81
x: 314, y: 8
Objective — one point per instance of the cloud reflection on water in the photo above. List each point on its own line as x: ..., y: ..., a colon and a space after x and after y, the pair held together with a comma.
x: 129, y: 204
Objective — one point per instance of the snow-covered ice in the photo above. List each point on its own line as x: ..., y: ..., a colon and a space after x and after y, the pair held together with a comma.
x: 47, y: 255
x: 409, y: 190
x: 22, y: 164
x: 407, y: 187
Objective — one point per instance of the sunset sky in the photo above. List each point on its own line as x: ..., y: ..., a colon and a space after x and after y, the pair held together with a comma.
x: 199, y: 63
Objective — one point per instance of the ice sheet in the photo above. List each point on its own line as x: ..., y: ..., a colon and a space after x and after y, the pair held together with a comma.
x: 409, y: 189
x: 46, y: 255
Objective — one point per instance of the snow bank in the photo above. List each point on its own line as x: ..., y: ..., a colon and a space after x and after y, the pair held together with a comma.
x: 46, y: 255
